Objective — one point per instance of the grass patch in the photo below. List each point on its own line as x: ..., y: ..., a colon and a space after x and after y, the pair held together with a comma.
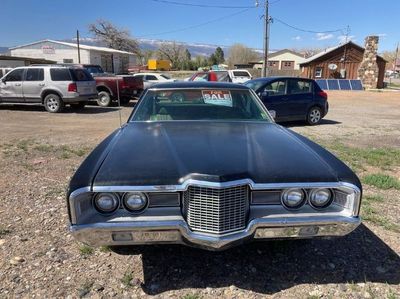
x: 127, y: 278
x: 44, y: 148
x: 373, y: 198
x: 368, y: 213
x: 385, y: 158
x: 86, y: 250
x: 382, y: 181
x: 104, y: 249
x: 4, y: 231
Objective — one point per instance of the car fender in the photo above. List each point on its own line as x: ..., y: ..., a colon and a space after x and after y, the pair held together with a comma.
x: 51, y: 90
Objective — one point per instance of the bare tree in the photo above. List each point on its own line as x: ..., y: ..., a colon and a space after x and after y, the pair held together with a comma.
x: 114, y: 37
x: 239, y: 53
x: 173, y: 52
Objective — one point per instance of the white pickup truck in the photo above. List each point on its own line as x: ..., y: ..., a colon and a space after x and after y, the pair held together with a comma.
x: 239, y: 76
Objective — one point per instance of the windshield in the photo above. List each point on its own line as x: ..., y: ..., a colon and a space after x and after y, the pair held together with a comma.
x: 94, y: 69
x: 200, y: 104
x: 255, y: 84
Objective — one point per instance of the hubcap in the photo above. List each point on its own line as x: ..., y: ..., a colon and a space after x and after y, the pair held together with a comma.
x: 52, y: 104
x: 104, y: 99
x: 315, y: 116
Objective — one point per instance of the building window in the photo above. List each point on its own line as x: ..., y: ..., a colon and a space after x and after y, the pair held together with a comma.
x: 318, y: 72
x: 68, y: 61
x: 287, y: 65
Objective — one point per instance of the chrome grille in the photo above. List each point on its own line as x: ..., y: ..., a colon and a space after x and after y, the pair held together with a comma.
x: 216, y: 210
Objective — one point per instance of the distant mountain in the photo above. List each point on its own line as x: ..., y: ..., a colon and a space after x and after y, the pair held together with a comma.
x: 3, y: 50
x: 195, y: 49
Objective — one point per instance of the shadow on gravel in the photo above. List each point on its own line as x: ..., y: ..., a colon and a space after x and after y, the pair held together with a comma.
x: 323, y: 122
x: 89, y: 109
x: 269, y: 267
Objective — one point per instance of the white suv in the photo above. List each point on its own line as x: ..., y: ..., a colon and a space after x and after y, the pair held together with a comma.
x: 239, y: 76
x: 50, y: 85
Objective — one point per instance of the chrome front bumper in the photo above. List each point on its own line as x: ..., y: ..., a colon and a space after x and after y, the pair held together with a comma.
x: 174, y: 230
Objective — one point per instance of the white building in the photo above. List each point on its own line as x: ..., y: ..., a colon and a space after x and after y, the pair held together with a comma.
x: 111, y: 60
x: 282, y: 60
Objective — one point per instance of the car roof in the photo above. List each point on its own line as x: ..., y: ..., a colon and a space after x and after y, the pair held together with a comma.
x: 266, y: 79
x: 198, y: 84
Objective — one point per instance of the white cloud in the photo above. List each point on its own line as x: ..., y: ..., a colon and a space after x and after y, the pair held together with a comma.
x: 324, y: 36
x: 382, y: 34
x: 342, y: 38
x: 297, y: 38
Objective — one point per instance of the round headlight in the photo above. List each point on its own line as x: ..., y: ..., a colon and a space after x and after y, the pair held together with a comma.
x: 135, y: 201
x: 106, y: 202
x: 320, y: 198
x: 293, y: 198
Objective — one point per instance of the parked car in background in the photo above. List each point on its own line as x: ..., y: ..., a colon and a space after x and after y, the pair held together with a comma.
x: 106, y: 85
x: 239, y: 76
x: 50, y: 85
x: 292, y: 98
x: 213, y: 76
x: 4, y: 70
x: 150, y: 79
x: 211, y: 170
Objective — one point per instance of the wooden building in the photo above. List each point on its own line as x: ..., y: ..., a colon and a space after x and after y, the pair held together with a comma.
x: 340, y: 62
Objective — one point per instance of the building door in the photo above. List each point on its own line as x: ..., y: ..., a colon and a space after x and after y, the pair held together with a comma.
x: 11, y: 87
x: 106, y: 62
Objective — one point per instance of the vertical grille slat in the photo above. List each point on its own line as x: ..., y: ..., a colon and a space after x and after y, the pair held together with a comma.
x: 215, y: 210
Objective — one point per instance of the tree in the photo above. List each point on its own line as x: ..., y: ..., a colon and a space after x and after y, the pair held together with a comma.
x: 114, y: 37
x: 239, y: 53
x: 219, y: 55
x: 173, y: 52
x: 145, y: 55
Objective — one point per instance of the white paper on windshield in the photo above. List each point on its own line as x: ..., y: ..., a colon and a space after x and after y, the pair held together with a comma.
x: 217, y: 97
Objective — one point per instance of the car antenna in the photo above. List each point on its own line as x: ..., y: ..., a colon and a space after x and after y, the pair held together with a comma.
x: 119, y: 104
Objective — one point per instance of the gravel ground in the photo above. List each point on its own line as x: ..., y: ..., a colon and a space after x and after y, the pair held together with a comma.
x: 38, y: 258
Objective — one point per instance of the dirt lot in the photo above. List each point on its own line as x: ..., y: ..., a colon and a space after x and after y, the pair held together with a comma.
x: 38, y: 258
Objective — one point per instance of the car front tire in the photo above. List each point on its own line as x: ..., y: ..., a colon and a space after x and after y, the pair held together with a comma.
x: 314, y: 116
x: 53, y: 103
x: 104, y: 99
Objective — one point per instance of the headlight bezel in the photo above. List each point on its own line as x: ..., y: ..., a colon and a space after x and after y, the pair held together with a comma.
x: 135, y: 211
x: 303, y: 201
x: 117, y: 203
x: 313, y: 192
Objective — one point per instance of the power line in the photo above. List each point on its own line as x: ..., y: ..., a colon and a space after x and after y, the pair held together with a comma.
x: 305, y: 30
x: 200, y: 5
x: 198, y: 25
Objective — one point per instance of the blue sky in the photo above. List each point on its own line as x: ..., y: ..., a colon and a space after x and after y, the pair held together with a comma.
x: 30, y: 20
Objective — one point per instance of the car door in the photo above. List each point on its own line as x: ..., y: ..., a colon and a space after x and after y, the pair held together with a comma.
x: 299, y: 98
x: 273, y: 95
x: 11, y: 87
x: 33, y: 85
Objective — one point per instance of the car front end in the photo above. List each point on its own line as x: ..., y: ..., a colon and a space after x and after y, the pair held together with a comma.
x: 209, y: 184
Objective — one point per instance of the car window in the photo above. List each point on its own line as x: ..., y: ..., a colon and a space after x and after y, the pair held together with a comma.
x: 34, y: 75
x: 15, y: 75
x: 151, y: 77
x: 139, y: 76
x: 81, y: 75
x: 61, y: 74
x: 165, y: 76
x: 276, y: 88
x: 201, y: 77
x: 241, y: 74
x: 254, y: 84
x: 223, y: 76
x: 94, y: 69
x: 299, y: 86
x: 200, y: 104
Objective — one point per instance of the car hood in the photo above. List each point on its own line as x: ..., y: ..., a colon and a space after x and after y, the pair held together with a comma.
x: 167, y: 153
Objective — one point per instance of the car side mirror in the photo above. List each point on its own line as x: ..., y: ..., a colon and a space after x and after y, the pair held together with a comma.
x: 272, y: 113
x: 3, y: 80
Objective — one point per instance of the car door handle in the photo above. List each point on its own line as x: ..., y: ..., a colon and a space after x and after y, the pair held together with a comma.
x: 17, y: 84
x: 41, y: 84
x: 284, y: 99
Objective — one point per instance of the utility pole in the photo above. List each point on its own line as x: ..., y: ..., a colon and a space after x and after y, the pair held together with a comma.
x: 79, y: 49
x: 266, y: 39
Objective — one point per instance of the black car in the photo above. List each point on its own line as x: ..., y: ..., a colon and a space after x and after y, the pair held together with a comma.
x: 204, y: 164
x: 292, y: 98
